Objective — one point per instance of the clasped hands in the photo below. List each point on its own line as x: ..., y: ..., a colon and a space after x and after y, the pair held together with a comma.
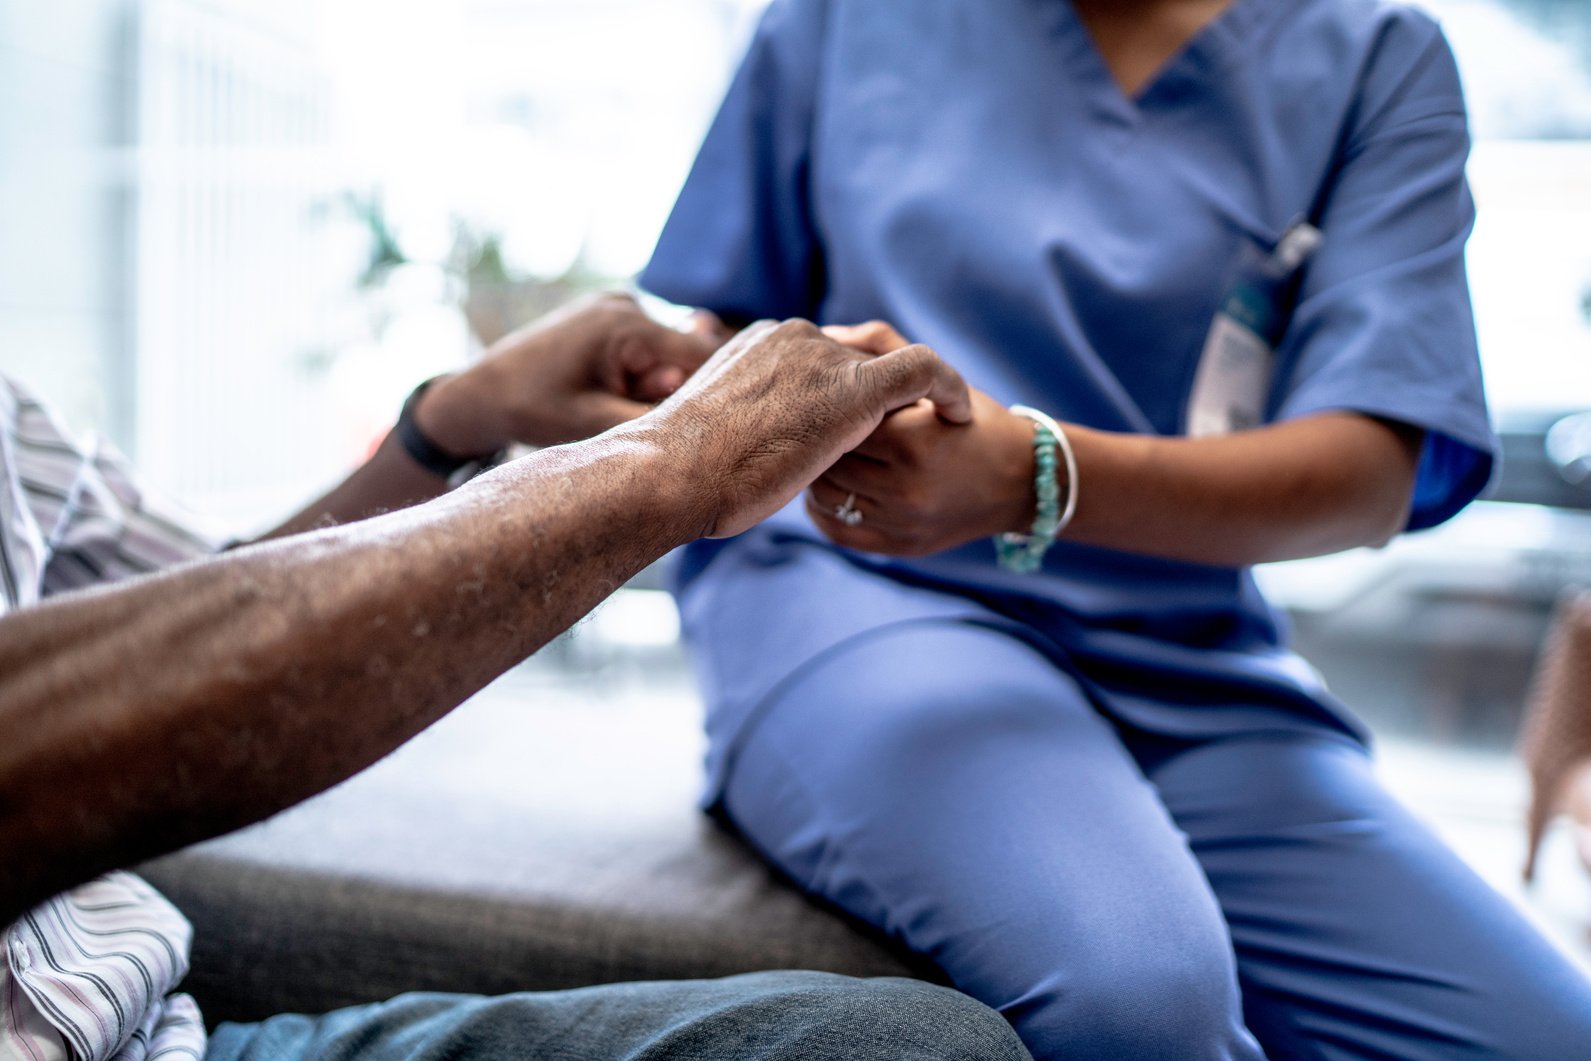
x: 922, y: 484
x: 925, y: 471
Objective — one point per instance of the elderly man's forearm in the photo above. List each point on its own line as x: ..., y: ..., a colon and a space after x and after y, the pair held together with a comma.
x: 143, y: 717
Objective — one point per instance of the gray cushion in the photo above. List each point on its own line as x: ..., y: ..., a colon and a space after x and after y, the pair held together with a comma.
x: 518, y: 844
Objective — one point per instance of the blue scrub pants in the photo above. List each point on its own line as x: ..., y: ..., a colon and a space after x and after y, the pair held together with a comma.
x: 781, y: 1016
x: 1122, y: 895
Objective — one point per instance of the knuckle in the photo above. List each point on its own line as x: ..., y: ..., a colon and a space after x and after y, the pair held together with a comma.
x: 918, y: 359
x: 799, y: 328
x: 760, y: 331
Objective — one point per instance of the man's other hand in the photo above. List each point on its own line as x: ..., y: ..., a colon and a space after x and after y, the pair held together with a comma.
x: 779, y: 404
x: 568, y: 376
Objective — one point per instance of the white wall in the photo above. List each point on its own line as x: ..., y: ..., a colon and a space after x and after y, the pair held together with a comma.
x: 63, y: 81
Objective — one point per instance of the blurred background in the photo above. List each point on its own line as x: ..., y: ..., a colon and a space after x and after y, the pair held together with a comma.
x: 257, y: 223
x: 234, y: 233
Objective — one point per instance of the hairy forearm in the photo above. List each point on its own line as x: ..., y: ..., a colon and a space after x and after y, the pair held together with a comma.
x: 1307, y: 487
x: 141, y: 717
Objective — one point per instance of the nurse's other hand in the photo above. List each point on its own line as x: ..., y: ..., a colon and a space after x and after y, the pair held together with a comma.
x: 567, y: 376
x: 921, y: 485
x: 780, y: 403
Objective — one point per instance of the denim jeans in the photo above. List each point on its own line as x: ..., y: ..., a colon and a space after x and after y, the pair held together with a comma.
x: 760, y: 1016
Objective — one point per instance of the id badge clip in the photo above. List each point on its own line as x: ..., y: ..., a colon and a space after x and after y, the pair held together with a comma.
x: 1233, y: 379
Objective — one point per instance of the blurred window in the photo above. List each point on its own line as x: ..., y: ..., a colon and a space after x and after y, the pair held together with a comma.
x: 1526, y: 66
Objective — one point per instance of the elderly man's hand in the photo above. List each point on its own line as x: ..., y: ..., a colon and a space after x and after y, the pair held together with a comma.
x: 782, y: 402
x: 568, y: 376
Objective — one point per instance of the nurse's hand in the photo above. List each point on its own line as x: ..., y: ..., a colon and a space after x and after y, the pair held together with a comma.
x: 781, y: 402
x: 1308, y: 486
x: 920, y: 485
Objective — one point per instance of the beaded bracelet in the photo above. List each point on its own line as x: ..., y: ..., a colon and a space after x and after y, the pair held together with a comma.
x: 1024, y: 553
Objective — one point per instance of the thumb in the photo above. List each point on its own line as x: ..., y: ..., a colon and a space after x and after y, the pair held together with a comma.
x: 686, y: 351
x: 913, y: 372
x: 658, y: 383
x: 710, y: 327
x: 653, y: 361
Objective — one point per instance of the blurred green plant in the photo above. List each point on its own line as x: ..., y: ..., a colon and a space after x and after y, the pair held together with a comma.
x: 494, y: 298
x: 385, y: 254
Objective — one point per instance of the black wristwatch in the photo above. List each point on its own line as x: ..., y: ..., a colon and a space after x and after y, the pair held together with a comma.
x: 428, y: 454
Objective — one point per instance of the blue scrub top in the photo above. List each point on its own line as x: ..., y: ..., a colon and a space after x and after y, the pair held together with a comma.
x: 972, y: 173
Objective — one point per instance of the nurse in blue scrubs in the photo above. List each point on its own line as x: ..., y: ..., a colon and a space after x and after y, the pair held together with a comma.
x: 1220, y: 243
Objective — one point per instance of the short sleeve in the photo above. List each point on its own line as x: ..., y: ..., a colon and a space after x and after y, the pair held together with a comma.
x: 113, y: 527
x: 740, y: 238
x: 92, y: 522
x: 1384, y: 324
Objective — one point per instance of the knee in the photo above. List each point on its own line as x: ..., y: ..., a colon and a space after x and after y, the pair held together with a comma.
x: 1179, y: 1007
x: 936, y: 1022
x: 826, y: 1016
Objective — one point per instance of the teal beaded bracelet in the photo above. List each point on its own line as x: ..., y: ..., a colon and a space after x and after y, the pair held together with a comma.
x: 1024, y: 553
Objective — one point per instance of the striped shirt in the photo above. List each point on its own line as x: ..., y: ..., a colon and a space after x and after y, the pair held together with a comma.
x: 87, y: 975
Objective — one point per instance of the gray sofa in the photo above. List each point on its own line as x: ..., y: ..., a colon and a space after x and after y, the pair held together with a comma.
x: 531, y: 840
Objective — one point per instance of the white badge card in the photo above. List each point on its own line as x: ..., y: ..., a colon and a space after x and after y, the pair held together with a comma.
x: 1233, y: 380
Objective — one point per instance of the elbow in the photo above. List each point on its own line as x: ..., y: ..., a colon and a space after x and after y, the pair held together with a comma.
x: 1390, y: 470
x: 1381, y: 533
x: 1365, y: 512
x: 1385, y: 512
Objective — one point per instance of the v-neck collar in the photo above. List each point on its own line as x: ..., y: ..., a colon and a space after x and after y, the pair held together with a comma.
x: 1206, y: 48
